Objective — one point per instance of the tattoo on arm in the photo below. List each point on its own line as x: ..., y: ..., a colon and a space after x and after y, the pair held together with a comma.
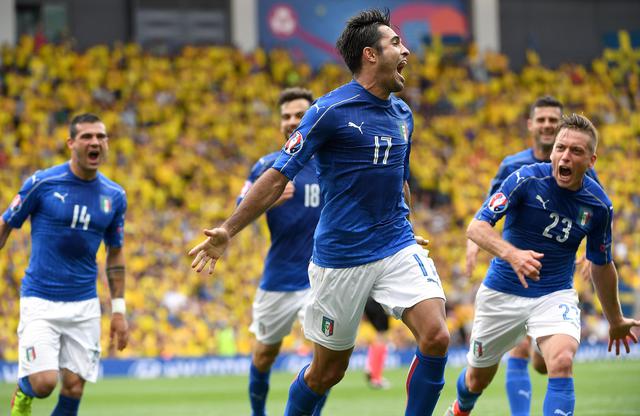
x: 115, y: 277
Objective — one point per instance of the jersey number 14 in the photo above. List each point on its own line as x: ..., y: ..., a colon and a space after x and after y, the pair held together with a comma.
x: 80, y: 216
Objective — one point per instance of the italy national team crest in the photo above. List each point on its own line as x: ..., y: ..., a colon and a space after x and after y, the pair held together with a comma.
x: 30, y: 354
x: 294, y: 144
x: 105, y: 204
x: 584, y: 216
x: 498, y: 203
x: 327, y: 326
x: 477, y: 349
x: 404, y: 131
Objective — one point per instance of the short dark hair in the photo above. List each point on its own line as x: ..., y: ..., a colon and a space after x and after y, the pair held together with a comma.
x: 545, y: 101
x: 578, y: 122
x: 79, y: 119
x: 361, y: 32
x: 294, y: 93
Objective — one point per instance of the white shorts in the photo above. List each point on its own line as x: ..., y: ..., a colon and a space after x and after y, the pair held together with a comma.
x: 502, y: 320
x: 56, y: 335
x: 338, y: 296
x: 275, y: 312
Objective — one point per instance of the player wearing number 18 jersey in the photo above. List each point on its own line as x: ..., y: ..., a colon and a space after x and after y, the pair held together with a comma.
x: 284, y: 287
x: 73, y: 208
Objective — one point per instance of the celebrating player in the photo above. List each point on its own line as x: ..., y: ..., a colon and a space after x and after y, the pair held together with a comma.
x: 284, y: 288
x: 73, y: 208
x: 364, y: 244
x: 550, y: 209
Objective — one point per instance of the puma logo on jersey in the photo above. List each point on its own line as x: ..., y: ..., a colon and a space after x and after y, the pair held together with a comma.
x: 317, y: 107
x: 518, y: 177
x: 561, y: 413
x: 542, y: 201
x: 355, y: 126
x: 60, y: 196
x: 525, y: 393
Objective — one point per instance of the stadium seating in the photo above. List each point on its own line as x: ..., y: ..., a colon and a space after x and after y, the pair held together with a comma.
x: 185, y: 130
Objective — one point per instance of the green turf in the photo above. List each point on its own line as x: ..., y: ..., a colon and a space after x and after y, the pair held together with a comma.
x: 602, y: 388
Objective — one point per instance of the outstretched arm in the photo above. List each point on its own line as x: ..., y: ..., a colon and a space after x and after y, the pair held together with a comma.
x: 5, y: 230
x: 605, y: 280
x: 260, y: 197
x: 119, y: 332
x: 525, y: 263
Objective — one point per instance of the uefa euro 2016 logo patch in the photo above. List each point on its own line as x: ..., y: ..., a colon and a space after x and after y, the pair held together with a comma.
x: 498, y: 203
x: 16, y: 202
x: 327, y: 326
x: 294, y: 144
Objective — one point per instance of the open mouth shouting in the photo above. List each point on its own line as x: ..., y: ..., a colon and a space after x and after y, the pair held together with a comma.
x: 93, y: 156
x: 565, y: 174
x: 399, y: 69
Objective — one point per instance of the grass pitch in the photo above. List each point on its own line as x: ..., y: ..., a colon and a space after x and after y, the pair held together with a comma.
x: 608, y: 388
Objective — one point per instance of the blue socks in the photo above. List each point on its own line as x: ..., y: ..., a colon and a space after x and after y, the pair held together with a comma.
x: 518, y: 386
x: 560, y: 399
x: 466, y: 399
x: 25, y: 386
x: 302, y: 400
x: 258, y: 389
x: 424, y: 383
x: 67, y: 406
x: 320, y: 405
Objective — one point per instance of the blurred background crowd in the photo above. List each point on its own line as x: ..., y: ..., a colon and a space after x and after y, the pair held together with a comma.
x: 185, y: 130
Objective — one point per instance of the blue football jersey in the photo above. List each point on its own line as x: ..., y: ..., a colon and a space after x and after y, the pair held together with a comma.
x: 546, y: 218
x: 362, y: 145
x: 291, y: 226
x: 515, y: 161
x: 69, y: 219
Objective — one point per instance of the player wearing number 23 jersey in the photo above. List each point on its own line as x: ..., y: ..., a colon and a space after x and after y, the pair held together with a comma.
x: 546, y: 218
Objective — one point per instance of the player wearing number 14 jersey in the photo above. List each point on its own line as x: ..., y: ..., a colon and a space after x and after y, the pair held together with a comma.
x: 73, y: 208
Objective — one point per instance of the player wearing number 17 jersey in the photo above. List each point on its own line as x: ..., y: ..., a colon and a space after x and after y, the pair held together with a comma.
x: 73, y: 208
x: 364, y: 245
x: 528, y: 290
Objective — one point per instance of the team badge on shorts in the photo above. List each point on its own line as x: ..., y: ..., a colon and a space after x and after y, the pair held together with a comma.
x: 477, y: 349
x: 30, y: 354
x: 498, y: 203
x: 327, y: 326
x: 294, y: 144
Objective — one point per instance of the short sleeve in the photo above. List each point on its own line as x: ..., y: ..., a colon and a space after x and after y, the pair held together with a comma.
x: 315, y: 129
x: 24, y: 203
x: 257, y: 170
x: 114, y: 234
x: 599, y: 239
x: 506, y: 197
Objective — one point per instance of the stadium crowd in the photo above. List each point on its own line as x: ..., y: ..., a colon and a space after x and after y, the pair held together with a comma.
x: 185, y: 129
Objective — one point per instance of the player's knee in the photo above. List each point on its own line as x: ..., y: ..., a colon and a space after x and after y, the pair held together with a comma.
x: 435, y: 342
x: 43, y: 384
x: 324, y: 380
x: 477, y: 382
x: 72, y: 386
x: 561, y: 363
x: 263, y: 360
